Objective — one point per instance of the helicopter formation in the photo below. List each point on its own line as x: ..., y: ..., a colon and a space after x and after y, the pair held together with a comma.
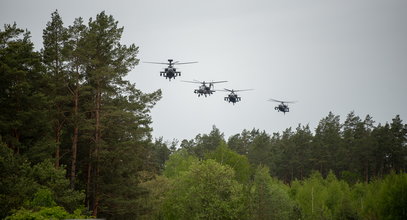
x: 207, y: 88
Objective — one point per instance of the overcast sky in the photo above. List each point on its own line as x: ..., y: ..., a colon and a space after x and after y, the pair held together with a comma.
x: 338, y: 56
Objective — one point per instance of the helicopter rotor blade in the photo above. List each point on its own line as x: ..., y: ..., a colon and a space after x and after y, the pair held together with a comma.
x: 275, y: 100
x: 243, y: 90
x: 157, y: 63
x: 191, y: 81
x: 213, y: 82
x: 178, y: 63
x: 223, y: 90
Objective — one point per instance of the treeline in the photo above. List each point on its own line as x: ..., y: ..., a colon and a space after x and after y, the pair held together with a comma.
x: 355, y: 150
x: 74, y: 134
x: 224, y: 185
x: 354, y: 170
x: 350, y: 170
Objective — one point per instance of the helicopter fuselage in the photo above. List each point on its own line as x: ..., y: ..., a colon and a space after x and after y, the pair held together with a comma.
x: 170, y: 72
x: 204, y: 90
x: 233, y: 98
x: 282, y: 108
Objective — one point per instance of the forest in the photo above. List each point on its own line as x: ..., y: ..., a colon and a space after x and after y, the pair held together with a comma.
x: 76, y: 142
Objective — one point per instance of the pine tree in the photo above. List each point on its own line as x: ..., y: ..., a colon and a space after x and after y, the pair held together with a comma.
x: 327, y: 142
x: 240, y: 142
x: 119, y: 111
x: 76, y: 86
x: 302, y: 139
x: 54, y: 38
x: 260, y: 149
x: 24, y: 124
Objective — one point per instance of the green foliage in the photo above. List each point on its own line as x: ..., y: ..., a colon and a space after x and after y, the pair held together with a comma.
x: 321, y: 198
x: 203, y: 144
x: 206, y: 191
x: 55, y: 36
x: 158, y: 189
x: 161, y: 153
x: 45, y: 213
x: 16, y: 184
x: 23, y: 102
x: 123, y: 153
x: 269, y: 198
x: 179, y: 163
x: 118, y: 134
x: 393, y: 196
x: 41, y: 185
x: 239, y: 163
x: 327, y: 141
x: 386, y: 198
x: 43, y: 198
x: 355, y: 150
x: 290, y: 153
x: 46, y: 175
x: 240, y: 142
x: 44, y: 207
x: 260, y: 150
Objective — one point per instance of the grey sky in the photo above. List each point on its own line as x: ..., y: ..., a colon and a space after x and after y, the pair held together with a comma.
x: 334, y: 56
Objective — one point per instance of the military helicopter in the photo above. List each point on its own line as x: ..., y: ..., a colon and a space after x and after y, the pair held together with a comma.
x: 233, y: 97
x: 282, y: 107
x: 170, y: 72
x: 206, y: 88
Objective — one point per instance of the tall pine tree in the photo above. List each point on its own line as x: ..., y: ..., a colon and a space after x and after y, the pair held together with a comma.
x: 24, y: 123
x: 54, y: 39
x: 76, y: 77
x: 119, y: 112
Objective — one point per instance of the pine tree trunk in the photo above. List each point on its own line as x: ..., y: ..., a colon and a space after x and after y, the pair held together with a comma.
x: 57, y: 141
x: 96, y: 154
x: 16, y: 135
x: 320, y: 167
x: 59, y: 124
x: 74, y: 152
x: 367, y: 172
x: 75, y: 139
x: 88, y: 182
x: 312, y: 199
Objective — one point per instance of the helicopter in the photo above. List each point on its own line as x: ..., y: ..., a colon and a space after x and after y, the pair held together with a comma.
x: 205, y: 88
x: 282, y: 107
x: 170, y: 72
x: 233, y: 97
